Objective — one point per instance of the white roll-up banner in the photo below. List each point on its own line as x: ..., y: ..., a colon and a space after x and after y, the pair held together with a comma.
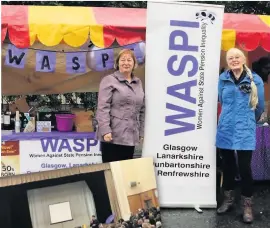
x: 183, y: 43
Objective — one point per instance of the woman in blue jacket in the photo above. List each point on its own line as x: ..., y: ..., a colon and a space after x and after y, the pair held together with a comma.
x: 241, y: 94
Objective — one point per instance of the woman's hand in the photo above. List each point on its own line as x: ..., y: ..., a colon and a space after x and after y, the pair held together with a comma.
x: 141, y: 140
x: 263, y: 117
x: 108, y: 137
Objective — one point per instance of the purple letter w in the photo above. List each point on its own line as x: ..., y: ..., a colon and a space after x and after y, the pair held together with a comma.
x: 173, y: 119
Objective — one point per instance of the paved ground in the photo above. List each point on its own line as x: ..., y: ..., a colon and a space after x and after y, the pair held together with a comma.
x: 185, y: 218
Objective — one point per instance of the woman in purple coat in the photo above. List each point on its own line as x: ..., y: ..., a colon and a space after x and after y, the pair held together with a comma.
x: 120, y: 112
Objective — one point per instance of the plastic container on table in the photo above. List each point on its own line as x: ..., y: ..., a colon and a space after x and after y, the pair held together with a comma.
x: 64, y: 122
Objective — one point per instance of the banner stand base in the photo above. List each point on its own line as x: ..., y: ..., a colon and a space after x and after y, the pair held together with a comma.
x: 197, y: 207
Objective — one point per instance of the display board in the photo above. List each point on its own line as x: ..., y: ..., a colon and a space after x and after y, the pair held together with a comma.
x: 181, y: 81
x: 60, y: 212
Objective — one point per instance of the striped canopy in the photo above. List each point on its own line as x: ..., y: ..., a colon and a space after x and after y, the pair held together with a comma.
x: 52, y: 25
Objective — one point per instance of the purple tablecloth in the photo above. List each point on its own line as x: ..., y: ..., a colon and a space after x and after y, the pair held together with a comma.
x: 42, y: 135
x: 261, y: 156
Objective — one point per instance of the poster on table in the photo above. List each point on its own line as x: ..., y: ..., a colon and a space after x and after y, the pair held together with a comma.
x: 182, y: 67
x: 30, y: 156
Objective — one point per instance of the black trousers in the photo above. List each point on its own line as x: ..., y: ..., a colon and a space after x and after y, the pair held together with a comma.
x: 113, y: 152
x: 229, y: 170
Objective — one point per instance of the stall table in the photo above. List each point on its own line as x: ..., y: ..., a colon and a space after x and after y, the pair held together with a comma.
x: 38, y: 151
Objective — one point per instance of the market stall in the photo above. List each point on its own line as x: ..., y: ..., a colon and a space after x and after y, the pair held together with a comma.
x: 88, y: 34
x: 28, y: 27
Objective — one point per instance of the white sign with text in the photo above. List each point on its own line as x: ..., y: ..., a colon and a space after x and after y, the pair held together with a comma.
x: 49, y: 154
x: 182, y: 67
x: 30, y: 156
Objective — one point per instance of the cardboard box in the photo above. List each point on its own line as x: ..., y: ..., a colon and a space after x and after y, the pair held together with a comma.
x: 83, y: 120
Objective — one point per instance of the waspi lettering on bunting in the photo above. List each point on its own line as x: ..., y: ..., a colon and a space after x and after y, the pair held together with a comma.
x: 96, y: 59
x: 15, y: 57
x: 75, y: 62
x: 45, y: 61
